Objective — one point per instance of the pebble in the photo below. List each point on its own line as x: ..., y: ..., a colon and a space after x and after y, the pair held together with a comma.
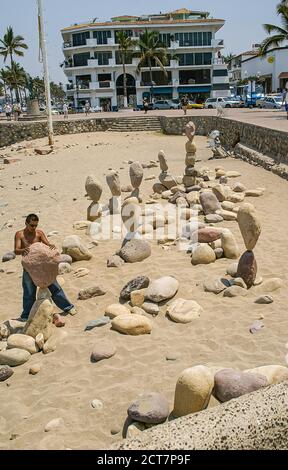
x: 97, y: 404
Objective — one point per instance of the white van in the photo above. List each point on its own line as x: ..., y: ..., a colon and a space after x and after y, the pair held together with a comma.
x: 222, y: 103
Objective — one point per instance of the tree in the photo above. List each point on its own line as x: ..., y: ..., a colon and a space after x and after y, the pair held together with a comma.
x: 9, y: 46
x: 151, y: 49
x: 281, y: 33
x: 57, y: 92
x: 4, y: 81
x: 15, y: 78
x: 229, y: 57
x: 125, y: 46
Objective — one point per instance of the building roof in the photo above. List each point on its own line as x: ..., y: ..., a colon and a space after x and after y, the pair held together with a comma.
x: 124, y: 16
x: 181, y: 10
x: 141, y: 23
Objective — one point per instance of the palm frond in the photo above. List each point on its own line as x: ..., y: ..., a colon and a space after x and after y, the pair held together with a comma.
x: 271, y: 28
x: 269, y: 43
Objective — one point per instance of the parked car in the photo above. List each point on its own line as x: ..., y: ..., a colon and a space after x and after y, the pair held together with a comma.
x: 270, y: 102
x: 96, y: 109
x: 165, y: 104
x: 211, y: 103
x: 193, y: 105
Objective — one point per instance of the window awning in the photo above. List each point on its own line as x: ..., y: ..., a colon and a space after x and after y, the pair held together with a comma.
x: 283, y: 75
x: 194, y: 89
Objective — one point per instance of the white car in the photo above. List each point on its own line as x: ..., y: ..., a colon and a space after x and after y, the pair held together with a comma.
x: 271, y: 102
x: 214, y: 103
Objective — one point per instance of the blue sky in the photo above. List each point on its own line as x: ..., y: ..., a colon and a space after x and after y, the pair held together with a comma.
x: 243, y: 26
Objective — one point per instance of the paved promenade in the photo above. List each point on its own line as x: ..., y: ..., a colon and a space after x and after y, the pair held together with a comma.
x: 273, y: 119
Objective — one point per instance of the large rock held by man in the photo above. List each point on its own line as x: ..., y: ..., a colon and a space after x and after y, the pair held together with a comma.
x: 42, y: 264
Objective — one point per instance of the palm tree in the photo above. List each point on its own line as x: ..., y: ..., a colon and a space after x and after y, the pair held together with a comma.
x: 9, y: 46
x: 125, y: 45
x: 4, y: 81
x: 281, y: 33
x: 15, y: 77
x: 151, y: 49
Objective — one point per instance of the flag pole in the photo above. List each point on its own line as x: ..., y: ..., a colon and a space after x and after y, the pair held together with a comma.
x: 43, y: 50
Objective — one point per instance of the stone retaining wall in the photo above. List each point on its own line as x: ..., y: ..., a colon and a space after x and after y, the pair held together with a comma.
x: 257, y: 421
x: 269, y: 142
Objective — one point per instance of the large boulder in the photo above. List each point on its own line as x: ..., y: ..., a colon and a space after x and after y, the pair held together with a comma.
x: 151, y: 408
x: 247, y: 268
x: 40, y: 318
x: 73, y: 247
x: 249, y: 225
x: 209, y: 202
x: 22, y: 342
x: 135, y: 250
x: 42, y: 264
x: 184, y: 311
x: 229, y: 245
x: 14, y: 357
x: 138, y: 283
x: 113, y: 182
x: 193, y: 391
x: 133, y: 325
x: 93, y: 188
x: 230, y: 383
x: 162, y: 289
x: 136, y: 174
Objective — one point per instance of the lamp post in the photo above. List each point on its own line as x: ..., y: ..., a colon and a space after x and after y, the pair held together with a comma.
x: 77, y: 99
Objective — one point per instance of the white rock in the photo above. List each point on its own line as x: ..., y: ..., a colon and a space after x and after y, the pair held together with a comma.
x: 162, y: 289
x: 184, y: 311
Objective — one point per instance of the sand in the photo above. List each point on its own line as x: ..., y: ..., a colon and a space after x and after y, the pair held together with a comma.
x: 68, y: 382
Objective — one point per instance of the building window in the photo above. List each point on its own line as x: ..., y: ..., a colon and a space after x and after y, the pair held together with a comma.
x: 165, y: 39
x: 220, y: 73
x: 102, y: 36
x: 80, y: 60
x: 103, y: 57
x: 79, y: 39
x: 194, y: 39
x: 195, y: 59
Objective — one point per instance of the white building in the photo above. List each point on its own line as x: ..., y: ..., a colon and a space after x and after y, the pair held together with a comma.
x: 271, y: 70
x: 235, y: 65
x: 95, y: 73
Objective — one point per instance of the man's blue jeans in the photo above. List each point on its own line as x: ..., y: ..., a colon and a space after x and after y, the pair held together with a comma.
x: 29, y: 296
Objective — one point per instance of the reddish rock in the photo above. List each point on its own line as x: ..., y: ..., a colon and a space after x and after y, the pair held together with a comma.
x: 206, y: 235
x: 42, y: 264
x: 58, y: 320
x: 247, y: 268
x: 230, y: 383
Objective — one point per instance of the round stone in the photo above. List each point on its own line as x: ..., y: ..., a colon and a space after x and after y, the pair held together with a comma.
x: 93, y: 188
x: 151, y: 408
x: 133, y: 325
x: 140, y: 282
x: 115, y: 310
x: 135, y: 250
x: 102, y: 350
x: 203, y: 254
x: 162, y: 289
x: 184, y: 311
x: 14, y: 357
x: 230, y: 383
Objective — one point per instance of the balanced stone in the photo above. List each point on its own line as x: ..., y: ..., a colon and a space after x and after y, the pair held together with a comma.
x: 40, y: 319
x: 94, y: 212
x: 193, y: 391
x: 133, y: 325
x: 247, y: 268
x: 184, y: 311
x: 162, y: 289
x: 140, y: 282
x: 249, y: 225
x: 136, y: 174
x: 190, y: 130
x: 162, y: 160
x: 151, y: 408
x: 230, y: 383
x: 93, y: 188
x: 159, y: 188
x: 113, y: 182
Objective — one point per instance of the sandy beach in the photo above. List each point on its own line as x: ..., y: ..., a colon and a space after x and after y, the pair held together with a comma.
x: 68, y: 381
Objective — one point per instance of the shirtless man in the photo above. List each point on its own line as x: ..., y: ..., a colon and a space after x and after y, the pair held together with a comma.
x: 23, y: 240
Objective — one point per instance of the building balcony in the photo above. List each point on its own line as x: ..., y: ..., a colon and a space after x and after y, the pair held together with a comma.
x: 92, y: 63
x: 217, y: 43
x: 218, y: 61
x: 92, y: 42
x: 174, y: 45
x: 112, y: 63
x: 102, y: 85
x: 174, y: 64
